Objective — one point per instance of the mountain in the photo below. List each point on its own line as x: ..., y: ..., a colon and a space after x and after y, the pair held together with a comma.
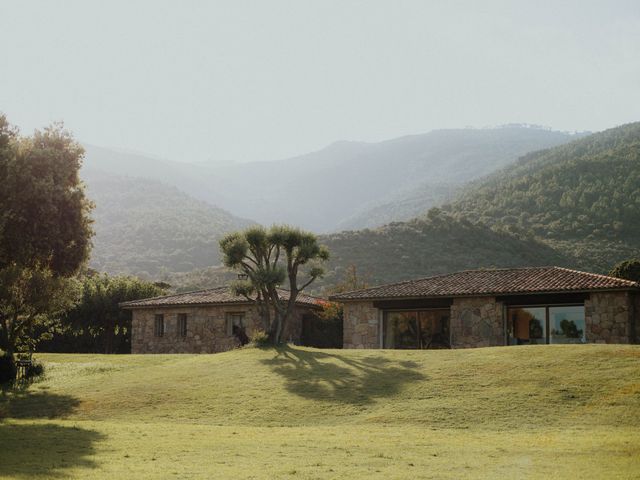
x: 346, y: 185
x: 575, y: 205
x: 404, y: 204
x: 145, y: 227
x: 428, y: 170
x: 582, y: 198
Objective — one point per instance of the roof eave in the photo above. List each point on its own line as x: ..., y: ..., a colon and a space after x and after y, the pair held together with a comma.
x: 208, y: 304
x: 484, y: 294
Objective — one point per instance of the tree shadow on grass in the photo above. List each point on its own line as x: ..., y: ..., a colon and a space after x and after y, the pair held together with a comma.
x: 31, y: 450
x: 333, y: 377
x: 25, y: 403
x: 45, y: 450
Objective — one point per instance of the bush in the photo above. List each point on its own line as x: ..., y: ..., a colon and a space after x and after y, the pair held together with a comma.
x: 34, y: 371
x: 260, y: 339
x: 8, y: 370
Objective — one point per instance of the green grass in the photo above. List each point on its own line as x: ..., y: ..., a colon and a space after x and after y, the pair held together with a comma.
x: 528, y: 412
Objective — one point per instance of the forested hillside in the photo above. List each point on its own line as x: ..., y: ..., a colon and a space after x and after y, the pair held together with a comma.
x: 576, y: 205
x: 583, y: 198
x: 145, y: 227
x: 346, y: 185
x: 437, y: 243
x: 423, y: 171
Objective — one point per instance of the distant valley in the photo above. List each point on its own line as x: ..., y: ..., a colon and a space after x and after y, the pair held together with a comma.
x: 347, y: 185
x: 508, y: 197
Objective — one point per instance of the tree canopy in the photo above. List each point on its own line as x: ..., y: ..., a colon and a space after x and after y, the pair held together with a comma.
x: 45, y: 228
x: 97, y: 324
x: 628, y: 269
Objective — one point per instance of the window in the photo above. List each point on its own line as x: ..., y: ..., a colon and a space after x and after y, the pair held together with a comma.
x: 546, y: 324
x: 567, y: 325
x: 235, y: 321
x: 159, y: 325
x: 416, y: 329
x: 182, y: 325
x: 527, y: 326
x: 401, y: 330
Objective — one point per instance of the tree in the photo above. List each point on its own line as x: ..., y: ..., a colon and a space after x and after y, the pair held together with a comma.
x: 629, y: 270
x: 97, y: 323
x: 45, y: 230
x: 32, y: 302
x: 270, y: 258
x: 351, y: 281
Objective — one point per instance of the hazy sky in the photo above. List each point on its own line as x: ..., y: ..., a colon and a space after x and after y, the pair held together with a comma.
x: 240, y: 80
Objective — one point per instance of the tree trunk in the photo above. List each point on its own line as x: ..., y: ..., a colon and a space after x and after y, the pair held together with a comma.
x: 4, y: 335
x: 274, y: 331
x: 108, y: 335
x: 291, y: 304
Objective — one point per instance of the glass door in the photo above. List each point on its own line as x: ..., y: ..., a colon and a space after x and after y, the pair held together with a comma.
x: 416, y: 329
x: 527, y: 326
x: 434, y: 328
x: 401, y: 330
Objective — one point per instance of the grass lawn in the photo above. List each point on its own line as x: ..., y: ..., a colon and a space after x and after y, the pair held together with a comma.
x: 527, y: 412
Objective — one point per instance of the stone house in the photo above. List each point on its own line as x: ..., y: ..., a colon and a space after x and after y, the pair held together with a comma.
x: 481, y: 308
x: 206, y: 321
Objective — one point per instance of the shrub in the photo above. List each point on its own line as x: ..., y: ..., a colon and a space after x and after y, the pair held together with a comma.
x: 8, y: 369
x: 34, y: 371
x: 260, y: 339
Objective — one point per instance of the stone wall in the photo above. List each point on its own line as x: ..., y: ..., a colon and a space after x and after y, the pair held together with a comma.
x: 206, y: 329
x: 477, y: 322
x: 608, y: 317
x: 361, y: 325
x: 480, y: 321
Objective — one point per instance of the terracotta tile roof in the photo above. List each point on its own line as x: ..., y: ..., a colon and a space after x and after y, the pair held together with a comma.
x: 212, y: 296
x: 493, y: 282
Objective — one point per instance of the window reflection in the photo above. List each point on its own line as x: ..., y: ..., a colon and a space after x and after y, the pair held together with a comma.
x: 401, y: 330
x: 566, y: 325
x: 434, y: 328
x: 416, y: 329
x: 529, y: 325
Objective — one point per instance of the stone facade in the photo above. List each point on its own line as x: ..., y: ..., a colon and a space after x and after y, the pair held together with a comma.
x: 476, y: 322
x: 608, y: 317
x: 206, y: 328
x: 361, y: 325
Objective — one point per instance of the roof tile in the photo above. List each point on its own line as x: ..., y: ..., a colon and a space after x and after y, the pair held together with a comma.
x: 492, y: 282
x: 212, y: 296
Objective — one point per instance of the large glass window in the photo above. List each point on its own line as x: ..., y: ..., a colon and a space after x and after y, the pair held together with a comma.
x: 527, y: 326
x: 566, y: 325
x: 416, y: 329
x: 546, y: 324
x: 401, y: 330
x: 434, y: 328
